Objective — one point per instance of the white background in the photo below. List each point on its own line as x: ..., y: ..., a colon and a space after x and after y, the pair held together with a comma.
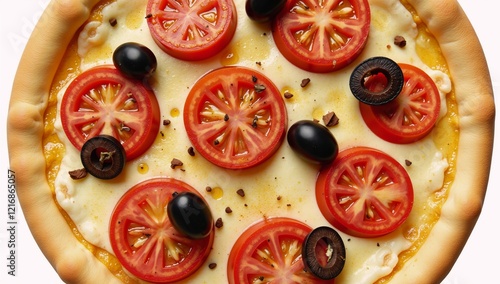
x: 17, y: 19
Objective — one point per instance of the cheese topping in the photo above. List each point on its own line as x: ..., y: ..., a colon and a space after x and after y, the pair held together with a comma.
x: 89, y: 202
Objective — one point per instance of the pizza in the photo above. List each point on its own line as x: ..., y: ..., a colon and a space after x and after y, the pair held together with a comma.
x: 251, y: 141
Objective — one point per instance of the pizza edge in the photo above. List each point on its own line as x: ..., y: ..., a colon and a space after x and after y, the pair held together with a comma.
x: 463, y: 52
x: 74, y: 263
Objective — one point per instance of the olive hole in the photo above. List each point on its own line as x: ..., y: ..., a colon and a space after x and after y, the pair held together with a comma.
x: 376, y: 82
x: 325, y: 252
x: 102, y: 158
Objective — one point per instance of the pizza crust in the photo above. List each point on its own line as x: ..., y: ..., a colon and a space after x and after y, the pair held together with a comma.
x: 74, y: 263
x: 474, y: 95
x: 30, y: 93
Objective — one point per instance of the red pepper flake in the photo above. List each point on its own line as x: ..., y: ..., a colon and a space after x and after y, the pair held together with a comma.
x: 212, y: 265
x: 229, y: 210
x: 330, y: 119
x: 176, y: 163
x: 305, y: 82
x: 191, y: 151
x: 241, y: 192
x: 400, y: 41
x: 166, y: 122
x: 78, y: 174
x: 219, y: 223
x: 288, y: 95
x: 408, y: 163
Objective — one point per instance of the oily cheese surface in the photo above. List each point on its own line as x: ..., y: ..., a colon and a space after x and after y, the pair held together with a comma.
x: 378, y: 256
x: 369, y: 259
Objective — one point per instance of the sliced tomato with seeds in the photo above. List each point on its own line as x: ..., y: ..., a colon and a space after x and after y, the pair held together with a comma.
x: 364, y: 193
x: 145, y: 241
x: 270, y: 251
x: 409, y: 117
x: 235, y: 117
x: 102, y: 101
x: 192, y: 30
x: 322, y: 36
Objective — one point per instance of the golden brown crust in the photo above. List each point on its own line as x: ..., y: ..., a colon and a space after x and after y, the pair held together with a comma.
x: 25, y: 129
x: 76, y: 264
x: 474, y: 95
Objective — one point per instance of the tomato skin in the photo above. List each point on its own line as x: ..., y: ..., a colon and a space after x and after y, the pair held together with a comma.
x: 231, y: 122
x: 418, y: 102
x: 141, y: 213
x: 129, y: 113
x: 362, y: 182
x: 244, y: 265
x: 177, y: 27
x: 298, y: 20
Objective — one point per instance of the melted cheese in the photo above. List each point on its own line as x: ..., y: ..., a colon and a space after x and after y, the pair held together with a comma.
x: 89, y: 202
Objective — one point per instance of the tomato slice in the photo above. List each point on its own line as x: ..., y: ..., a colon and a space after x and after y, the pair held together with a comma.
x: 235, y: 117
x: 409, y: 117
x: 144, y: 240
x: 322, y: 36
x: 270, y: 252
x: 102, y: 101
x: 364, y: 193
x: 192, y: 30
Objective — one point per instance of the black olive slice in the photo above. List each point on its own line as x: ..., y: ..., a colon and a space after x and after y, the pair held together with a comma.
x: 313, y: 141
x: 263, y: 10
x: 323, y: 253
x: 135, y: 60
x: 190, y: 215
x: 386, y: 91
x: 103, y: 156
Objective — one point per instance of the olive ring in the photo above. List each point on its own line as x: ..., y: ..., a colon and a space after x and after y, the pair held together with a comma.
x: 103, y: 156
x: 373, y: 66
x: 335, y: 253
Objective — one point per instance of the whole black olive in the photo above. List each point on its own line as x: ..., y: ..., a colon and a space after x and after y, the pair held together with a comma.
x: 313, y: 141
x: 388, y: 87
x: 135, y: 60
x: 103, y: 156
x: 190, y: 215
x: 323, y: 253
x: 263, y: 10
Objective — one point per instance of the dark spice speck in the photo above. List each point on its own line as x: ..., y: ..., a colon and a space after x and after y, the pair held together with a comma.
x: 219, y: 223
x: 305, y: 82
x: 113, y: 22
